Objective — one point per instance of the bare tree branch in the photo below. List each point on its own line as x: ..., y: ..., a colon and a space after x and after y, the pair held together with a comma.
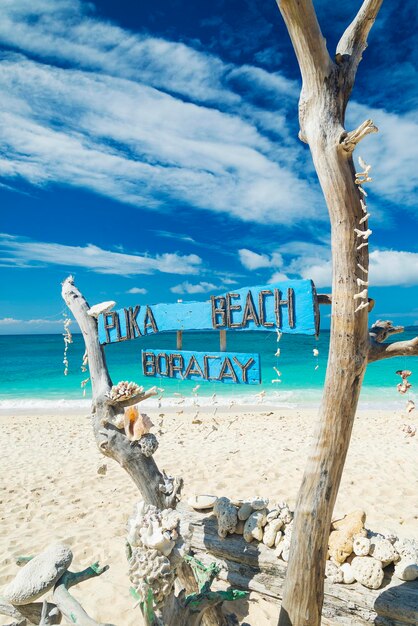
x: 379, y: 332
x: 352, y: 44
x: 307, y: 39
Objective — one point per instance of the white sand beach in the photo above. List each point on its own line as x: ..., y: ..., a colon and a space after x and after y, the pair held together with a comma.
x: 50, y: 488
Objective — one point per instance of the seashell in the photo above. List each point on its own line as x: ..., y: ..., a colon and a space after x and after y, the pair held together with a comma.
x: 102, y: 307
x: 136, y: 424
x: 202, y: 502
x: 315, y: 352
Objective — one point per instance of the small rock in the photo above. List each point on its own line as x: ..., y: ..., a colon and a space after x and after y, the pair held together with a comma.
x: 39, y: 575
x: 361, y: 545
x: 367, y: 571
x: 253, y: 525
x: 382, y: 550
x: 348, y: 576
x: 245, y: 511
x: 333, y: 572
x: 148, y: 444
x: 406, y: 570
x: 340, y: 543
x: 259, y: 503
x: 202, y: 502
x: 227, y: 517
x: 286, y: 515
x: 279, y: 536
x: 270, y: 532
x: 239, y: 530
x: 273, y: 514
x: 102, y: 469
x: 407, y: 549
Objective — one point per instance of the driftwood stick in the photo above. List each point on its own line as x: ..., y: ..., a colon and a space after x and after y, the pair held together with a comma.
x: 326, y: 298
x: 354, y: 40
x: 31, y: 613
x: 70, y: 608
x: 379, y: 332
x: 111, y: 441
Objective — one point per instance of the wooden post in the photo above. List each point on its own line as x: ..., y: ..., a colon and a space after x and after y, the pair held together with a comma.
x: 179, y: 344
x: 326, y: 88
x: 222, y: 340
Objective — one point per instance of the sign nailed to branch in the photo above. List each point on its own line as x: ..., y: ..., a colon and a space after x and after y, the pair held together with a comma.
x: 290, y: 306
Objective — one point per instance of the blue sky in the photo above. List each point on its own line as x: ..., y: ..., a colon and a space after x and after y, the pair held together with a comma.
x: 151, y: 149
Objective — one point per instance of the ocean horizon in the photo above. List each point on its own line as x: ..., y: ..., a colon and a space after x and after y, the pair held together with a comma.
x: 32, y: 371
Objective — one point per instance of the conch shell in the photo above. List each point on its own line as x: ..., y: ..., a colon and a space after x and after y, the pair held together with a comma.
x: 136, y: 424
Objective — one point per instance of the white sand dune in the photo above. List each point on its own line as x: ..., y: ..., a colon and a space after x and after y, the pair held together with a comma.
x: 50, y: 489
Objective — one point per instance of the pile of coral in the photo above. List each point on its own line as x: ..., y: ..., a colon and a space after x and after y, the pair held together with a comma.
x: 354, y: 553
x: 152, y: 536
x: 255, y: 521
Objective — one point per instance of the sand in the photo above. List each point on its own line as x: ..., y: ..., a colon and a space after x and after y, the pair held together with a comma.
x: 51, y: 491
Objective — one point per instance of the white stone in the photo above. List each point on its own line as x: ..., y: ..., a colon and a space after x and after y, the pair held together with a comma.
x: 279, y: 537
x: 382, y: 550
x: 253, y: 525
x: 406, y: 570
x: 273, y: 514
x: 270, y: 532
x: 286, y: 515
x: 39, y: 575
x: 367, y: 571
x: 259, y: 503
x: 407, y: 549
x: 361, y: 545
x: 348, y: 576
x: 227, y: 516
x: 333, y: 572
x: 202, y: 502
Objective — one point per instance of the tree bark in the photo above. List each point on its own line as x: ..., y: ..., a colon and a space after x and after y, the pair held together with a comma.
x: 326, y: 88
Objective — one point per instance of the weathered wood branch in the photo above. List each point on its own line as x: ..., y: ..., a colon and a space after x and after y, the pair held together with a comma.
x: 31, y: 613
x: 350, y: 140
x: 324, y: 96
x: 379, y: 332
x: 70, y: 608
x: 353, y: 42
x: 155, y: 487
x: 307, y: 39
x: 111, y: 441
x: 326, y: 298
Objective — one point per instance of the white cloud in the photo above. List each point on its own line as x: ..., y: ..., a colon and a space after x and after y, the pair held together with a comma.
x: 138, y: 290
x: 11, y: 325
x: 118, y: 130
x: 190, y: 288
x: 25, y: 253
x: 278, y: 277
x: 254, y: 261
x: 387, y: 268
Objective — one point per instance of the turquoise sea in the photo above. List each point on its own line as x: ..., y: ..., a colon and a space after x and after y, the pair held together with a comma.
x: 31, y: 370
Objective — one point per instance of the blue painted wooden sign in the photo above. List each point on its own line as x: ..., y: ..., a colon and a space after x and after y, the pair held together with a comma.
x: 290, y: 306
x: 223, y: 367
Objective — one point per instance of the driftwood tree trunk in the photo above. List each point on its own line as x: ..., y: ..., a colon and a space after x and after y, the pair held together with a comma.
x: 155, y: 487
x: 326, y: 89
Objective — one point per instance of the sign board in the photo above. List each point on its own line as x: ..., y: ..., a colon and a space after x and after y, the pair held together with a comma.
x: 225, y: 367
x: 289, y: 306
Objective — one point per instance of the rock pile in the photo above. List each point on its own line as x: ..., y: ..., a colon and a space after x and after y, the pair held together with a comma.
x: 354, y: 553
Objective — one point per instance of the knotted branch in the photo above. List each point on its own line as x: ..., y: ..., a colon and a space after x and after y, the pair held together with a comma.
x: 379, y: 332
